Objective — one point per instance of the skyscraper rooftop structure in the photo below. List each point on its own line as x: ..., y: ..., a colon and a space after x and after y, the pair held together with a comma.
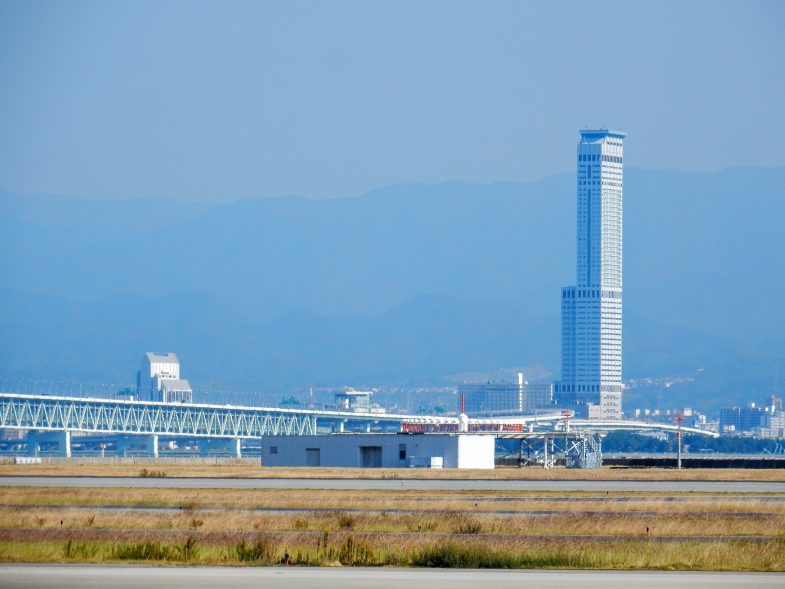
x: 591, y: 351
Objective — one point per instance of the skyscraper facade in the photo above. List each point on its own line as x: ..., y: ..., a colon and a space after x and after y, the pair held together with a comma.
x: 591, y: 311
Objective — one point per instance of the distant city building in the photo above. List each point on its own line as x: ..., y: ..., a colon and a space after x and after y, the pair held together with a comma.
x: 689, y: 417
x: 772, y: 425
x: 740, y: 419
x: 351, y: 400
x: 538, y: 397
x: 506, y: 398
x: 760, y: 422
x: 356, y: 401
x: 493, y: 398
x: 159, y: 379
x: 591, y: 334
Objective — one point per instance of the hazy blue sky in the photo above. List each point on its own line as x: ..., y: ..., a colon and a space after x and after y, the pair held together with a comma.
x: 222, y: 100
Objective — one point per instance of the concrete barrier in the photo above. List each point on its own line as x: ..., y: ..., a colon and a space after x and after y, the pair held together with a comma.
x: 736, y: 461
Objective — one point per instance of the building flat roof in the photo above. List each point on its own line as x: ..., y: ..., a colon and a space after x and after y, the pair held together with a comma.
x: 171, y: 384
x: 603, y: 133
x: 168, y: 358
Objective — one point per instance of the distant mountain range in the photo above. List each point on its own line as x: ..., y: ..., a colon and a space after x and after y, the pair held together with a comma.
x: 409, y: 284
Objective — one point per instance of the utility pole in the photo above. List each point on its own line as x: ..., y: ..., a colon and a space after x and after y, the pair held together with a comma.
x: 679, y: 418
x: 566, y: 414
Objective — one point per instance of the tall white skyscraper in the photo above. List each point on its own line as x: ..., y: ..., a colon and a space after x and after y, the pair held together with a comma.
x: 592, y: 310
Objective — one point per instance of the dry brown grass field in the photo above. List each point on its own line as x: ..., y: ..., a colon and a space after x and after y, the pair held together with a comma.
x: 384, y: 500
x: 245, y: 470
x: 41, y: 521
x: 503, y: 529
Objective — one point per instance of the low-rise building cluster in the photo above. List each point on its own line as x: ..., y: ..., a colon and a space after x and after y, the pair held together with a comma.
x: 766, y: 421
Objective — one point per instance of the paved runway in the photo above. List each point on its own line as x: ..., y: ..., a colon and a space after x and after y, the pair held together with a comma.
x: 399, y: 484
x: 125, y: 577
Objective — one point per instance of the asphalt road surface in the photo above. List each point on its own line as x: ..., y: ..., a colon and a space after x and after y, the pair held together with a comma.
x: 123, y: 577
x: 400, y: 484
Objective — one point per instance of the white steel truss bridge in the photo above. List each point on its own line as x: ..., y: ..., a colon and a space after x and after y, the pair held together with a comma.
x: 111, y: 416
x: 38, y: 412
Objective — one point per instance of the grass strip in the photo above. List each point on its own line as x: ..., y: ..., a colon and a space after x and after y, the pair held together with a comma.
x: 628, y: 524
x: 351, y: 551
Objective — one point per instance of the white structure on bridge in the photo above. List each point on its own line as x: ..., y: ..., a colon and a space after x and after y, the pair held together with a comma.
x: 159, y: 379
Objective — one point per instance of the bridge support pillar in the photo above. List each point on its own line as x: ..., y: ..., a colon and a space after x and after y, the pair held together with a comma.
x: 152, y: 445
x: 121, y: 443
x: 61, y: 438
x: 33, y: 444
x: 204, y: 447
x: 65, y: 443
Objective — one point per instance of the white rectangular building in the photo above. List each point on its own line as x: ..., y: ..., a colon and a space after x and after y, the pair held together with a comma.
x: 158, y: 379
x: 380, y: 450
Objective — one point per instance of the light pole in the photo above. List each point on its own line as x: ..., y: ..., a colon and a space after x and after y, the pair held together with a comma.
x: 678, y: 419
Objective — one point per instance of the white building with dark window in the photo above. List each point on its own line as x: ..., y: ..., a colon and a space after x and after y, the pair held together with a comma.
x: 159, y: 379
x: 453, y: 450
x: 591, y: 350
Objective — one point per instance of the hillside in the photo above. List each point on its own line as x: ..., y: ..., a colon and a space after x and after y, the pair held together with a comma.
x: 410, y: 283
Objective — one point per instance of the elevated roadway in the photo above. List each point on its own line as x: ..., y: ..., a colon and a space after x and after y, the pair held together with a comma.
x: 112, y: 416
x: 633, y: 425
x: 54, y: 418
